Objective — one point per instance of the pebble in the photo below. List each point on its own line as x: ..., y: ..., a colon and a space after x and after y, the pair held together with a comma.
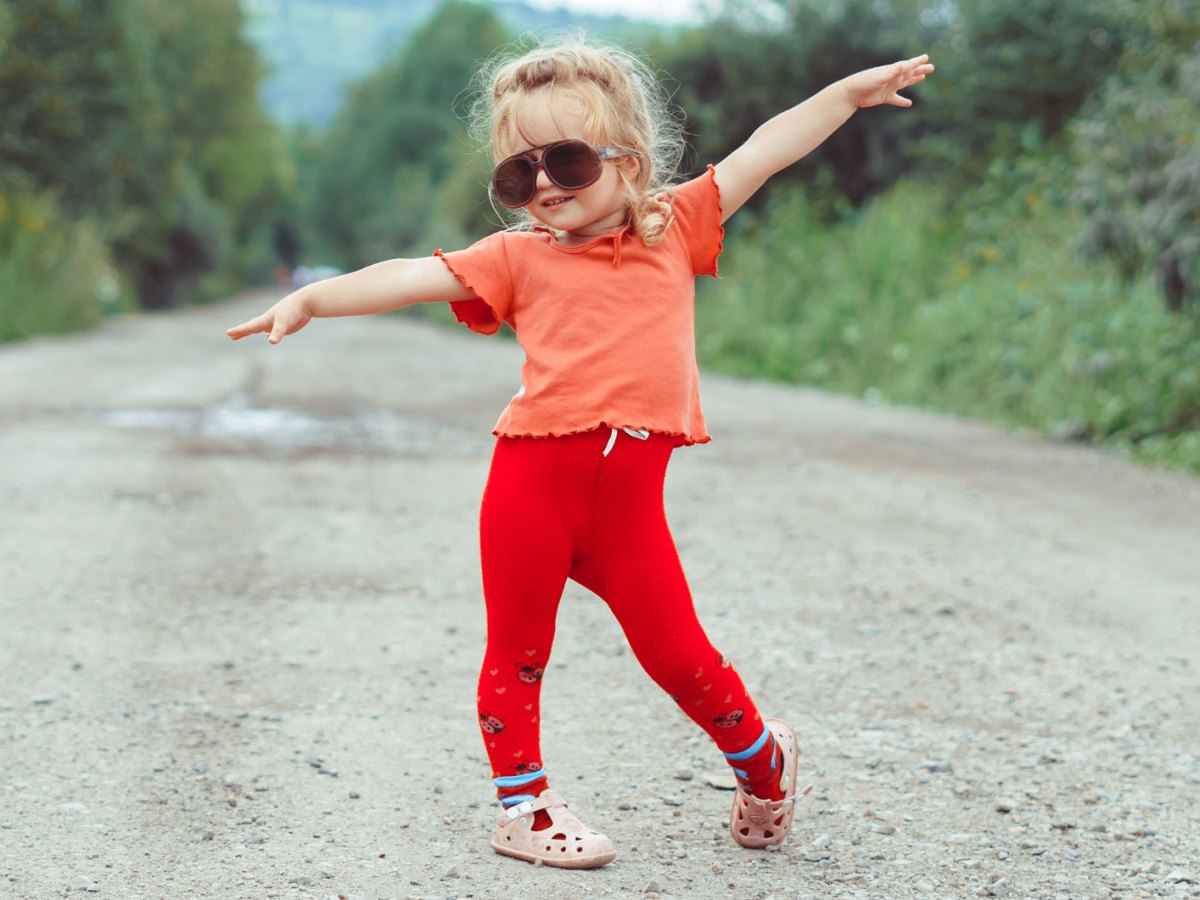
x: 998, y: 888
x: 1178, y: 876
x: 823, y: 840
x: 936, y: 765
x: 42, y: 701
x: 883, y: 828
x: 653, y: 888
x: 722, y: 781
x: 683, y: 775
x: 1005, y: 805
x: 818, y: 855
x: 672, y: 800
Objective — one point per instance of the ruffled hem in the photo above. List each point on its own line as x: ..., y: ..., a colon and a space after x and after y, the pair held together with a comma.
x: 712, y: 174
x: 681, y: 439
x: 477, y: 315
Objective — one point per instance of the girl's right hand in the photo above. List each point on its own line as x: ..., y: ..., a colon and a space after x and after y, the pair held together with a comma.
x: 287, y: 316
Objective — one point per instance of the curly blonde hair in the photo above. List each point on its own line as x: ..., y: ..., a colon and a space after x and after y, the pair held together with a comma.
x: 623, y: 104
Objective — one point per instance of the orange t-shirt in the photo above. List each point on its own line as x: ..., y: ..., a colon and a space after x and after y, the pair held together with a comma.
x: 608, y: 327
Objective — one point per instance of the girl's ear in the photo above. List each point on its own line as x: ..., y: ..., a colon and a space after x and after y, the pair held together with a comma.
x: 632, y: 166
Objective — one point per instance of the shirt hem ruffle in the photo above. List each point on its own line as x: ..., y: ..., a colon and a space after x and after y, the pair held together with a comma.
x: 712, y: 174
x: 464, y: 309
x: 682, y: 439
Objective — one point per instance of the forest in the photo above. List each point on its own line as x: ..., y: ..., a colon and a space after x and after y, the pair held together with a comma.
x: 1022, y: 246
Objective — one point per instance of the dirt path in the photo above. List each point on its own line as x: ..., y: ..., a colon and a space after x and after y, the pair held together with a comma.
x: 240, y: 621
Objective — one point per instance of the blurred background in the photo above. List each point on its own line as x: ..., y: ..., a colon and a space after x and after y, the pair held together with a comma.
x: 1022, y: 246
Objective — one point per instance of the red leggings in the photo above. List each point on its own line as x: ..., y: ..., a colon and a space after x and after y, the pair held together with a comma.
x: 558, y: 508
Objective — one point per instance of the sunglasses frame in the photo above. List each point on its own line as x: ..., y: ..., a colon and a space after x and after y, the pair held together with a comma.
x: 602, y: 153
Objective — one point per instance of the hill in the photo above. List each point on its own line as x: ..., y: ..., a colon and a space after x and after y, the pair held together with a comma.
x: 314, y: 48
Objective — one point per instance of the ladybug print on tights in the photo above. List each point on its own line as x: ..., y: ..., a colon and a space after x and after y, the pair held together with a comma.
x: 522, y: 768
x: 729, y: 720
x: 490, y: 723
x: 530, y: 674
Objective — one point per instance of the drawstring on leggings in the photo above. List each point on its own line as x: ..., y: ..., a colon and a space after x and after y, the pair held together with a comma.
x: 640, y: 433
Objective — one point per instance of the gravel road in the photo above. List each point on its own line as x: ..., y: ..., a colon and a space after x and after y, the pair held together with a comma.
x: 240, y: 624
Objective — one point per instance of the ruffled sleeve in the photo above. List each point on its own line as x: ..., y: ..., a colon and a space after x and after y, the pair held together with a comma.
x: 697, y: 208
x: 483, y: 269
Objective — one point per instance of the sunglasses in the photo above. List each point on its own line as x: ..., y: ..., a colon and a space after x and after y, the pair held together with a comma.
x: 570, y: 165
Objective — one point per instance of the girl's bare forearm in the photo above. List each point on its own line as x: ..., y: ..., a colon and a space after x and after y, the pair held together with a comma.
x: 779, y: 142
x: 794, y: 133
x: 384, y: 286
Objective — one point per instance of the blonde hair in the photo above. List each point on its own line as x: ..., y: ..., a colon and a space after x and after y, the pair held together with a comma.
x: 623, y: 105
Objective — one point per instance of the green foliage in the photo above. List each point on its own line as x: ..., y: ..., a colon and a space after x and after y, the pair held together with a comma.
x: 142, y: 116
x: 983, y: 310
x: 74, y: 93
x: 1138, y: 177
x: 55, y: 273
x: 1011, y: 75
x: 732, y: 77
x: 392, y: 174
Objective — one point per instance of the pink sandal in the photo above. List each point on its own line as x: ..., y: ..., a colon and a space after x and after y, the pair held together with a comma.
x: 567, y: 844
x: 758, y: 823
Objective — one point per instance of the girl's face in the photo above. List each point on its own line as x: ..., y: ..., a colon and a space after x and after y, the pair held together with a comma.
x: 584, y: 213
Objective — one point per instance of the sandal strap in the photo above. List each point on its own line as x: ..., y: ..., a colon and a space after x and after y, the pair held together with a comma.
x: 546, y: 800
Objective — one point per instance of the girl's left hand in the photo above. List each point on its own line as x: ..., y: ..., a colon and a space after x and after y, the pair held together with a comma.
x: 873, y: 87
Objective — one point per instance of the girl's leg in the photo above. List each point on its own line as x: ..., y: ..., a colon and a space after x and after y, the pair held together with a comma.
x: 634, y: 565
x: 525, y: 551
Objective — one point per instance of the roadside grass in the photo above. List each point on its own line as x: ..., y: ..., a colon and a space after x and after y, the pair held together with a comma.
x: 55, y: 273
x: 995, y: 317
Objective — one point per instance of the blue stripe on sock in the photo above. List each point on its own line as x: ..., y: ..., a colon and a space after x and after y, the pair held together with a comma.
x: 519, y: 798
x: 518, y: 780
x: 753, y: 748
x: 742, y: 774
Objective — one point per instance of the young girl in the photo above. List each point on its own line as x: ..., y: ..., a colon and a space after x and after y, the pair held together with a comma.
x: 598, y: 284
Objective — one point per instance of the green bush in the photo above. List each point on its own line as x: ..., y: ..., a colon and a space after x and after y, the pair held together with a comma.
x: 984, y: 310
x: 55, y: 274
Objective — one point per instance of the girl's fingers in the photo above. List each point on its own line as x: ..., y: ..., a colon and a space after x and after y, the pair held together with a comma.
x: 259, y: 323
x: 240, y: 331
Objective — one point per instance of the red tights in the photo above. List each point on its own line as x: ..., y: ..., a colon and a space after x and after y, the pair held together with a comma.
x: 559, y: 508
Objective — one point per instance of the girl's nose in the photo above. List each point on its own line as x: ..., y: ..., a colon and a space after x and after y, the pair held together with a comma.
x: 543, y: 181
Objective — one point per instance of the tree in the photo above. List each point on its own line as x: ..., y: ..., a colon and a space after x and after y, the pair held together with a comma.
x: 398, y: 138
x: 1012, y: 75
x: 1138, y: 177
x: 743, y: 69
x: 143, y: 115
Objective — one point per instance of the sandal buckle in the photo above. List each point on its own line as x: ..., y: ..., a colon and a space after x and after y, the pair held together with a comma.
x: 514, y: 812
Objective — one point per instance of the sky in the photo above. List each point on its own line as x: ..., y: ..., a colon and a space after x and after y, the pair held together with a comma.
x: 655, y: 10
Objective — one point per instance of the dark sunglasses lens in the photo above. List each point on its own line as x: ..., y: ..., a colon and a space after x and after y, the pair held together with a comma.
x: 572, y: 165
x: 513, y: 182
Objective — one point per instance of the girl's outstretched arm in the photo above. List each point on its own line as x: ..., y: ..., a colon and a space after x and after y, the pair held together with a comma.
x: 377, y: 288
x: 794, y: 134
